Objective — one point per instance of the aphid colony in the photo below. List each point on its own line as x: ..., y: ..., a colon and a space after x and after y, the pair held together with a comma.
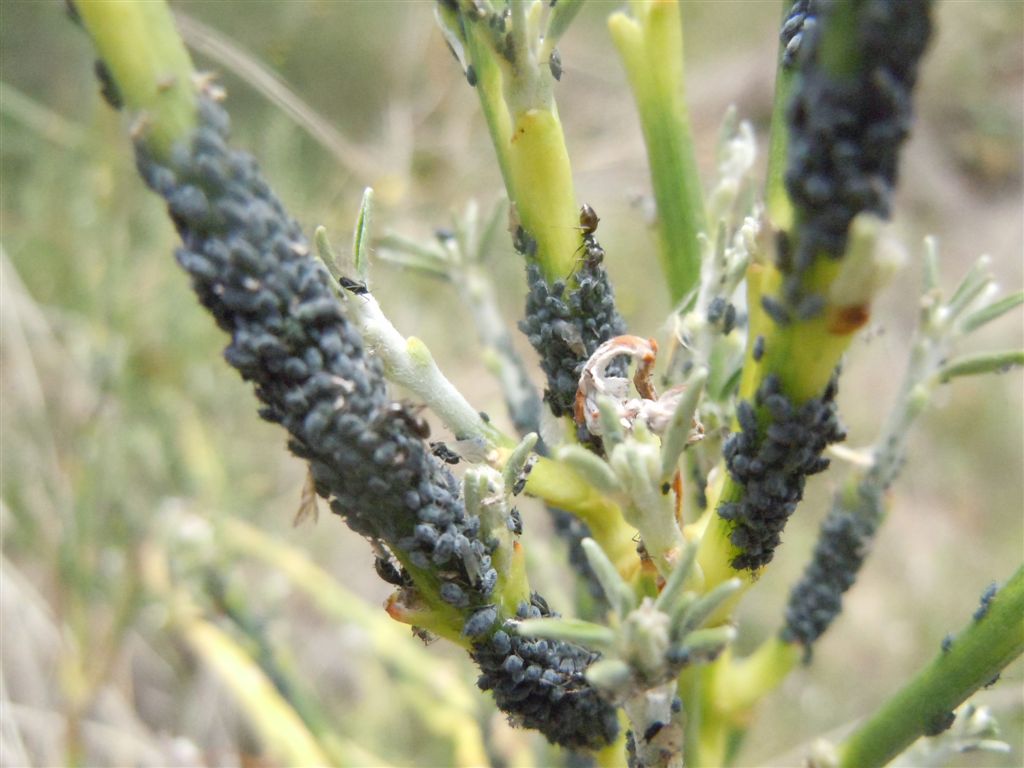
x: 779, y: 444
x: 845, y: 133
x: 568, y: 320
x: 250, y: 267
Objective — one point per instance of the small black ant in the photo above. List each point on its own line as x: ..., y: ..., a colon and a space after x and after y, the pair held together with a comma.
x: 404, y: 413
x: 593, y: 252
x: 388, y: 572
x: 424, y: 635
x: 444, y: 453
x: 353, y: 286
x: 588, y: 220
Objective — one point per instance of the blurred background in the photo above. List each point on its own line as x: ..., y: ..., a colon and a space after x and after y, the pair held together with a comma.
x: 157, y: 605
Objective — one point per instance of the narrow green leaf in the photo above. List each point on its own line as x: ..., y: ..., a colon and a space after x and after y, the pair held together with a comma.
x: 619, y: 595
x: 517, y: 460
x: 609, y: 674
x: 696, y: 614
x: 707, y: 642
x: 674, y: 440
x: 673, y: 589
x: 569, y: 630
x: 611, y: 428
x: 492, y: 229
x: 361, y: 236
x: 991, y: 312
x: 325, y: 253
x: 560, y: 18
x: 593, y: 468
x: 983, y: 362
x: 931, y: 265
x: 977, y: 279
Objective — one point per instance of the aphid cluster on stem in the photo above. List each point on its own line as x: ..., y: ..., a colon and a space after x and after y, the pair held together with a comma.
x: 771, y: 463
x: 566, y: 323
x: 541, y: 684
x: 846, y: 128
x: 843, y: 543
x: 251, y: 268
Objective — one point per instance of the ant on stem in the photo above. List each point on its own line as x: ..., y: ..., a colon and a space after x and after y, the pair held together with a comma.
x: 593, y: 253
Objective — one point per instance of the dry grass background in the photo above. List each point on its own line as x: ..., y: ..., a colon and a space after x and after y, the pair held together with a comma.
x: 127, y: 443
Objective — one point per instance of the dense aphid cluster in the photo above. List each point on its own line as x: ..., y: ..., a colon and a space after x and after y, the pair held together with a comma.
x: 800, y: 15
x: 565, y: 324
x: 771, y: 462
x: 251, y: 268
x: 845, y: 129
x: 540, y: 684
x: 843, y: 543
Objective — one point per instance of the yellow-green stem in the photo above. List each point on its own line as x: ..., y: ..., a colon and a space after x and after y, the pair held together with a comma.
x: 543, y: 190
x: 530, y: 146
x: 562, y: 488
x: 738, y: 684
x: 803, y: 355
x: 147, y: 60
x: 777, y: 203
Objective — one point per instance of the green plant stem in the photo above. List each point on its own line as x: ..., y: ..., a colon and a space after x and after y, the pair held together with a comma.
x: 149, y: 64
x: 651, y: 47
x: 738, y: 684
x: 977, y: 655
x: 729, y: 690
x: 778, y: 206
x: 563, y: 488
x: 803, y: 354
x: 519, y: 108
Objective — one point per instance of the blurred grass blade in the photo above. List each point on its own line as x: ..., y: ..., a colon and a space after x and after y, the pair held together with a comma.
x: 413, y: 254
x: 278, y: 726
x: 38, y: 118
x: 443, y: 688
x: 336, y: 602
x: 358, y: 160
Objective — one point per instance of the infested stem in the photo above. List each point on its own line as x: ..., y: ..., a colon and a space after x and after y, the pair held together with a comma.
x: 923, y: 706
x: 806, y: 306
